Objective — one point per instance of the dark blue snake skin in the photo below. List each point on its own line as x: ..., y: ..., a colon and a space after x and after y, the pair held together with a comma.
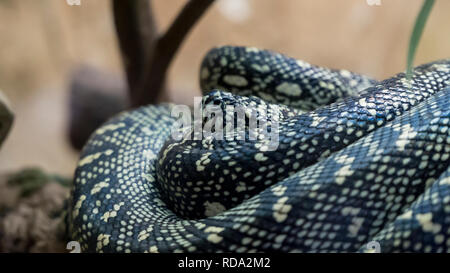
x: 371, y: 167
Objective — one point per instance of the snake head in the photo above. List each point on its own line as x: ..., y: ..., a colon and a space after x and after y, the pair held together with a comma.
x: 251, y: 106
x: 6, y: 117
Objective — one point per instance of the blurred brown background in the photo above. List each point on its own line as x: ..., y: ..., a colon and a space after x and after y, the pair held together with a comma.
x: 41, y: 42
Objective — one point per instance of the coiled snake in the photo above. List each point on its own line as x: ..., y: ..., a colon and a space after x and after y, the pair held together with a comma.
x: 357, y: 161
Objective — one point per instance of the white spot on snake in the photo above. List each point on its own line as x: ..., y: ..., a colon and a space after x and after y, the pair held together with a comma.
x: 407, y: 133
x: 316, y: 121
x: 260, y: 157
x: 262, y: 147
x: 362, y: 102
x: 406, y: 215
x: 279, y: 190
x: 252, y: 49
x: 112, y: 213
x: 213, y: 229
x: 149, y: 177
x: 241, y: 187
x: 97, y: 187
x: 445, y: 181
x: 353, y: 211
x: 426, y: 223
x: 144, y: 234
x: 280, y: 238
x: 246, y: 240
x: 355, y: 225
x: 213, y: 208
x: 147, y: 131
x: 204, y: 74
x: 78, y: 205
x: 200, y: 225
x: 202, y: 162
x: 223, y: 61
x: 90, y: 158
x: 342, y: 173
x: 102, y: 241
x: 344, y: 159
x: 263, y: 69
x: 372, y: 112
x: 266, y: 97
x: 281, y: 209
x: 110, y: 127
x: 235, y: 80
x: 441, y: 67
x: 291, y: 89
x: 154, y: 249
x: 345, y: 73
x: 214, y: 238
x: 150, y: 155
x: 303, y: 63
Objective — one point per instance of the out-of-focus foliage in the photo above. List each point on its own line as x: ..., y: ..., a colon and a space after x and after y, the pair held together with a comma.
x: 417, y: 34
x: 6, y: 118
x: 33, y: 179
x: 6, y: 2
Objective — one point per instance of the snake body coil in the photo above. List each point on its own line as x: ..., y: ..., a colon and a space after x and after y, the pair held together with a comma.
x: 372, y: 164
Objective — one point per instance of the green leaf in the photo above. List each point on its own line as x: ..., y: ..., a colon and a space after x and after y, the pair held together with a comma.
x: 6, y: 118
x: 416, y: 35
x: 31, y: 180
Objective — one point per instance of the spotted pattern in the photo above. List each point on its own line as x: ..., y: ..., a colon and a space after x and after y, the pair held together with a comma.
x: 369, y: 167
x: 250, y: 71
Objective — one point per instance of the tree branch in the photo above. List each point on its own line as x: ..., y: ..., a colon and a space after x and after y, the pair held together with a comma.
x: 95, y: 96
x: 166, y: 48
x: 137, y: 34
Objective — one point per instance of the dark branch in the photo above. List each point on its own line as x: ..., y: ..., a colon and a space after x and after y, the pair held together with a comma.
x: 166, y: 48
x: 95, y: 96
x: 137, y: 33
x: 146, y: 56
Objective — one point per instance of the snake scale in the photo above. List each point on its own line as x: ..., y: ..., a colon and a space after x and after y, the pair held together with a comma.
x: 357, y: 161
